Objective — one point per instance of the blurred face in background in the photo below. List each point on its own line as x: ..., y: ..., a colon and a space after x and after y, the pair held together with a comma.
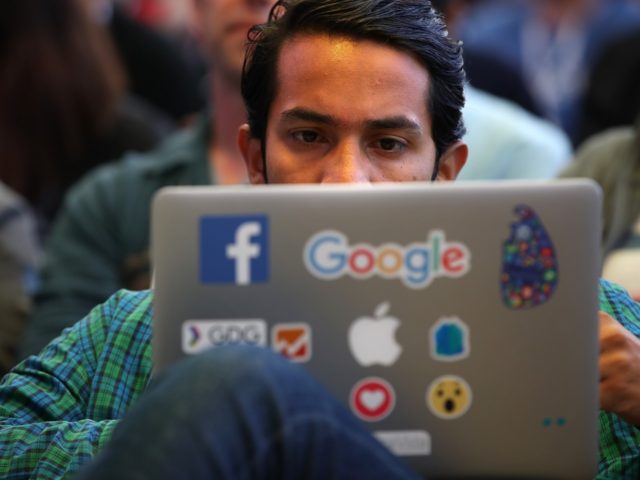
x: 555, y: 12
x: 222, y: 26
x: 98, y: 10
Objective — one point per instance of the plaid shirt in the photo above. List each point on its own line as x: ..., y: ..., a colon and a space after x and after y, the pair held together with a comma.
x: 58, y: 409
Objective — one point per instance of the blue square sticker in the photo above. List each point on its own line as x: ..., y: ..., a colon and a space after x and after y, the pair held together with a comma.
x: 234, y: 249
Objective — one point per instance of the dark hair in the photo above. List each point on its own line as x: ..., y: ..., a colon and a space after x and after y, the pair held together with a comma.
x: 440, y: 4
x: 412, y: 26
x: 60, y: 84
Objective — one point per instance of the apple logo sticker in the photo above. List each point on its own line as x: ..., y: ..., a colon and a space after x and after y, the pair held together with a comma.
x: 529, y: 266
x: 372, y: 340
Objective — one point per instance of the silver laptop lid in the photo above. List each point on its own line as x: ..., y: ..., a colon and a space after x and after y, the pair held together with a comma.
x: 458, y: 321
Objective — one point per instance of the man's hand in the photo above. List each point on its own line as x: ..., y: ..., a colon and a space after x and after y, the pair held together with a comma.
x: 619, y: 370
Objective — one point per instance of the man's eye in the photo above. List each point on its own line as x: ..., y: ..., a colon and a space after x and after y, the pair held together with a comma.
x: 306, y: 136
x: 390, y: 145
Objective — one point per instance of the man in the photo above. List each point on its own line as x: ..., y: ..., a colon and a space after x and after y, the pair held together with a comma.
x: 100, y: 240
x: 317, y: 113
x: 100, y: 243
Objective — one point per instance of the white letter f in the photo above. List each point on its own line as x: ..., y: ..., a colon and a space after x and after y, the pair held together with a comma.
x: 243, y: 251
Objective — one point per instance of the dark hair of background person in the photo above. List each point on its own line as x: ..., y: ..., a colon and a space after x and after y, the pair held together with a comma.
x: 612, y: 97
x: 159, y: 71
x: 412, y: 26
x: 60, y: 89
x: 484, y: 70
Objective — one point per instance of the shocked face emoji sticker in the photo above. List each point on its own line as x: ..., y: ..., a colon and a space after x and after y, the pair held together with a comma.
x: 449, y: 397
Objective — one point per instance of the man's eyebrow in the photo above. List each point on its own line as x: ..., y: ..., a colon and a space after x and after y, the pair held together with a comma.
x: 387, y: 123
x: 308, y: 116
x: 393, y: 123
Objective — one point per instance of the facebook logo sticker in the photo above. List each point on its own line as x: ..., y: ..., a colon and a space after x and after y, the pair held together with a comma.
x: 234, y: 249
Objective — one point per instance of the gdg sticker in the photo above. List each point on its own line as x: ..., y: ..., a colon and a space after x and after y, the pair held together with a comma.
x: 199, y: 335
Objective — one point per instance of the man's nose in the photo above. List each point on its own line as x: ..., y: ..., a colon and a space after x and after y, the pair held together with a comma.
x: 347, y: 163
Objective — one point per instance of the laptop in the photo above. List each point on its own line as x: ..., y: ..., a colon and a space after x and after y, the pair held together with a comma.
x: 457, y: 321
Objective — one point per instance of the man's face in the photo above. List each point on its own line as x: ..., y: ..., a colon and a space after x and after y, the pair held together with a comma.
x: 223, y: 27
x: 348, y: 111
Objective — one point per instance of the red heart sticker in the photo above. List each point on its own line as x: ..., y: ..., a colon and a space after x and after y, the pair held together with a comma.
x: 372, y: 399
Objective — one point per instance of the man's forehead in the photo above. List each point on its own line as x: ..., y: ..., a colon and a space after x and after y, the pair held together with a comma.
x: 341, y: 45
x: 338, y: 47
x: 333, y: 74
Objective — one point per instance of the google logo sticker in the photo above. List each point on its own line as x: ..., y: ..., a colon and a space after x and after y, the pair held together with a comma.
x: 328, y: 256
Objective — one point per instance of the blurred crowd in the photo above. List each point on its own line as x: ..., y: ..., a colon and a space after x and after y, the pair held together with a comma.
x: 104, y: 101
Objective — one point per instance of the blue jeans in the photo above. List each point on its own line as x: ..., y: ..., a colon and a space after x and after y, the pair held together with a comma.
x: 241, y: 413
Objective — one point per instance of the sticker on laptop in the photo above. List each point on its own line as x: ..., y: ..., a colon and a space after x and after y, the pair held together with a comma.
x: 292, y: 341
x: 328, y: 255
x: 529, y: 265
x: 405, y: 443
x: 549, y: 422
x: 200, y: 335
x: 234, y: 249
x: 372, y: 340
x: 449, y: 340
x: 372, y: 399
x: 449, y: 397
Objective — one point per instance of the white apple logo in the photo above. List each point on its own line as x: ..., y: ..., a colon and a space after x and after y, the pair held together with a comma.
x: 372, y: 340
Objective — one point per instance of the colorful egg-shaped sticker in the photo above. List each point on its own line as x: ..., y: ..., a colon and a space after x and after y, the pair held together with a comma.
x: 529, y: 264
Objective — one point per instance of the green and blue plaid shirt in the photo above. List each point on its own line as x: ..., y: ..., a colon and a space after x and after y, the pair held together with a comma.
x: 59, y: 408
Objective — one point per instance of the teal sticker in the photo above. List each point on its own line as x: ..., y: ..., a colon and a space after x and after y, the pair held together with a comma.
x: 450, y: 340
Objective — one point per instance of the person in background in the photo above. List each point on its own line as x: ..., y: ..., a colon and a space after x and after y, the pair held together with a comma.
x: 62, y: 103
x: 506, y: 142
x: 553, y: 44
x: 506, y: 136
x: 612, y: 158
x: 100, y: 242
x: 612, y: 97
x: 20, y: 254
x: 165, y: 68
x: 485, y: 70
